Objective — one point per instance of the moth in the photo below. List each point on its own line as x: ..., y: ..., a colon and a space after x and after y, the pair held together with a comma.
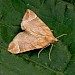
x: 36, y: 35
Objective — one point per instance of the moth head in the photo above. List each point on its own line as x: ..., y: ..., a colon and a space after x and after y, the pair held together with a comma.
x: 13, y: 48
x: 54, y: 40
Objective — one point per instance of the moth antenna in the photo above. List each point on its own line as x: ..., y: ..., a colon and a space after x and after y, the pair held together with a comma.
x: 50, y: 52
x: 61, y: 36
x: 42, y: 50
x: 51, y: 30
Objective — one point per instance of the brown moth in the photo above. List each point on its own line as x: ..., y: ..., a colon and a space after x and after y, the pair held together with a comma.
x: 36, y: 35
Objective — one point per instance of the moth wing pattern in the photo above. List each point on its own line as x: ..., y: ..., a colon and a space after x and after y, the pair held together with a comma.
x: 34, y: 25
x: 25, y: 42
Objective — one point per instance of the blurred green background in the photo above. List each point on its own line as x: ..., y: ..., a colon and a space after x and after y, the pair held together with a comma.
x: 59, y: 15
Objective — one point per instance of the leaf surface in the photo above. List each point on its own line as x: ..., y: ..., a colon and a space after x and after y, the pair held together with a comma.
x: 59, y: 16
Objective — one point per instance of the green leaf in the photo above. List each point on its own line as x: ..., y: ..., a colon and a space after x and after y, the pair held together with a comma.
x: 59, y: 16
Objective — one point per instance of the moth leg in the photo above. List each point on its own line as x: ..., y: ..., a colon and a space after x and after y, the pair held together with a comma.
x: 50, y: 52
x: 42, y: 50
